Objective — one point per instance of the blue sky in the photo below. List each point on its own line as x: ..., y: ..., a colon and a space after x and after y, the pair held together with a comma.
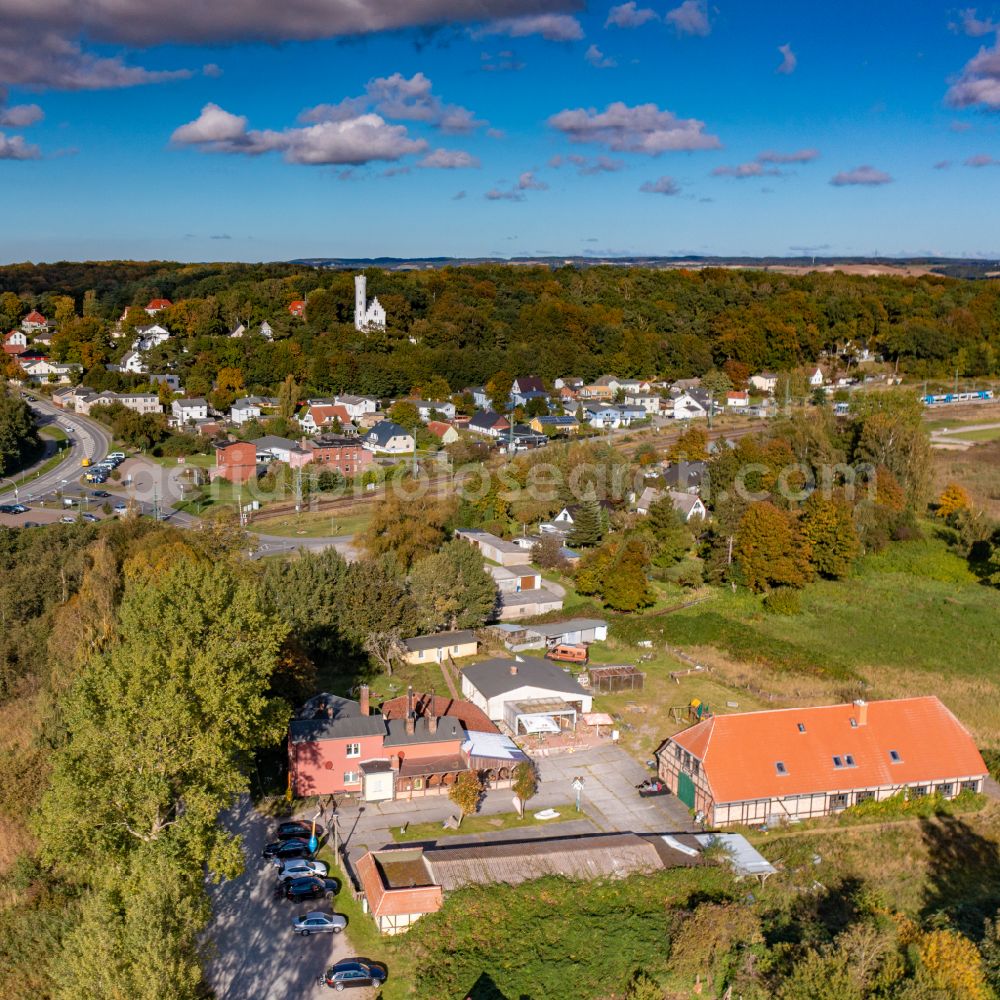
x: 536, y: 127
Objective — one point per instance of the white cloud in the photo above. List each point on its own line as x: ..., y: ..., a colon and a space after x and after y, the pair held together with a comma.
x: 587, y: 166
x: 15, y: 147
x: 974, y: 26
x: 864, y: 175
x: 363, y: 139
x: 663, y: 185
x: 741, y: 171
x: 629, y: 15
x: 598, y: 59
x: 528, y: 182
x: 799, y: 156
x: 644, y: 128
x: 552, y: 27
x: 691, y: 18
x: 449, y: 159
x: 503, y: 194
x: 19, y: 115
x: 789, y: 60
x: 979, y: 81
x: 982, y: 160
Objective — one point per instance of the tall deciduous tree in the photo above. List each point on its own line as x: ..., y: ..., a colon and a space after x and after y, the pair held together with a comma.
x: 769, y: 549
x: 827, y: 526
x: 466, y: 792
x: 19, y: 441
x: 408, y: 528
x: 452, y: 589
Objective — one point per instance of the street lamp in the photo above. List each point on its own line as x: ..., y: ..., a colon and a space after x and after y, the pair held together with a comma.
x: 14, y: 484
x: 578, y: 788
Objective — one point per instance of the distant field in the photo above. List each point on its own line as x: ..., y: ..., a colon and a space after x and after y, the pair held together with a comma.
x: 986, y: 434
x: 977, y: 469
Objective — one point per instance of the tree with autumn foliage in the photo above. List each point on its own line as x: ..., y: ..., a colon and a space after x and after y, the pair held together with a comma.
x: 953, y: 499
x: 466, y: 792
x: 691, y: 446
x: 770, y: 549
x: 827, y: 526
x: 408, y: 527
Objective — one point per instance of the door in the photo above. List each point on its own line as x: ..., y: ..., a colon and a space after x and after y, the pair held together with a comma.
x: 685, y: 789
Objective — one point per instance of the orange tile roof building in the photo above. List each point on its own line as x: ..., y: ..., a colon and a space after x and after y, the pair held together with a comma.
x: 799, y: 763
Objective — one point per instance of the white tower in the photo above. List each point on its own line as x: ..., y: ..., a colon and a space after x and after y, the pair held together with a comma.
x: 360, y: 301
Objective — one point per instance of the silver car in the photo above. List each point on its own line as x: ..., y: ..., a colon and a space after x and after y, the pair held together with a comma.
x: 319, y: 922
x: 300, y: 867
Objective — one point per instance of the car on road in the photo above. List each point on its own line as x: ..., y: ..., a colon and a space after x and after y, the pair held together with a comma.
x: 120, y: 509
x: 319, y: 922
x: 13, y: 508
x: 297, y: 829
x: 300, y: 867
x: 284, y: 849
x: 311, y: 887
x: 353, y: 972
x: 67, y: 519
x: 101, y: 494
x: 90, y: 518
x: 70, y: 501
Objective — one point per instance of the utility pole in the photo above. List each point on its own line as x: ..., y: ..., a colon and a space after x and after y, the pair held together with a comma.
x: 298, y: 490
x: 156, y: 504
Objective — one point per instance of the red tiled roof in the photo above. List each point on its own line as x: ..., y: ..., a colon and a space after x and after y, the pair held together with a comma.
x: 34, y: 317
x: 14, y: 348
x: 297, y: 308
x: 159, y: 304
x: 739, y: 752
x: 325, y: 414
x: 472, y: 718
x: 438, y: 427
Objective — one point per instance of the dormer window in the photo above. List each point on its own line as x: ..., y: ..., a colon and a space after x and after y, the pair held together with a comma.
x: 802, y: 727
x: 779, y: 767
x: 849, y: 760
x: 895, y: 757
x: 838, y: 762
x: 854, y: 723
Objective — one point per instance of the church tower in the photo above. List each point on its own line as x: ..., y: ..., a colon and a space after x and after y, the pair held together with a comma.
x: 360, y: 301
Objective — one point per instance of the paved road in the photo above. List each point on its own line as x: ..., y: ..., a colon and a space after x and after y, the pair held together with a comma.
x: 88, y: 439
x: 256, y: 953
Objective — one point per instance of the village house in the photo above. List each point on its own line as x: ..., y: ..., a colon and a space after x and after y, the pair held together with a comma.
x: 816, y: 378
x: 444, y: 432
x: 570, y: 382
x: 235, y: 461
x: 647, y: 401
x: 427, y: 408
x: 244, y: 410
x: 687, y: 477
x: 765, y: 382
x: 440, y: 646
x: 572, y: 632
x: 489, y: 423
x: 297, y: 308
x: 155, y: 306
x: 131, y: 364
x: 595, y: 391
x: 492, y: 547
x: 526, y: 387
x: 480, y: 398
x: 34, y: 322
x: 738, y: 400
x: 148, y: 337
x: 15, y: 342
x: 527, y: 694
x: 172, y: 382
x: 323, y: 416
x: 187, y: 411
x: 42, y: 371
x: 271, y: 448
x: 521, y: 593
x: 139, y: 402
x: 798, y: 763
x: 691, y: 404
x: 357, y: 407
x: 388, y: 438
x: 688, y: 505
x: 341, y: 454
x: 555, y: 424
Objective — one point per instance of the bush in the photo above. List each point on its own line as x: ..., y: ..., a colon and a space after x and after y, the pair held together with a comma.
x: 686, y: 574
x: 783, y: 601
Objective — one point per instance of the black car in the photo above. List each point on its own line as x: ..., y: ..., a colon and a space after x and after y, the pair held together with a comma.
x: 309, y: 887
x: 282, y: 850
x: 298, y: 829
x: 103, y: 494
x: 354, y: 972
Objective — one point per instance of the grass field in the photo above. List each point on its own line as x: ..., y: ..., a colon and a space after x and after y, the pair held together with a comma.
x: 985, y: 434
x: 480, y: 824
x: 315, y: 525
x: 977, y: 469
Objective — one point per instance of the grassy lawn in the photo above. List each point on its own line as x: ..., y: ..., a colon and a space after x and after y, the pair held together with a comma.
x: 49, y: 464
x: 197, y: 461
x: 213, y: 497
x: 481, y: 824
x: 986, y: 434
x: 314, y: 525
x: 977, y: 469
x: 53, y: 432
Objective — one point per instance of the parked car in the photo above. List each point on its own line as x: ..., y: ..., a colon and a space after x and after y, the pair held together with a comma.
x: 70, y: 501
x: 299, y: 867
x: 67, y: 519
x: 284, y: 849
x: 354, y: 972
x: 568, y: 653
x: 651, y: 787
x: 100, y: 494
x: 120, y: 508
x: 311, y: 887
x: 118, y: 456
x: 13, y: 508
x: 90, y: 518
x: 298, y: 829
x: 319, y: 922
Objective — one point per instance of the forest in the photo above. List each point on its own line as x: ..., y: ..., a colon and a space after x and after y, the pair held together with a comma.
x: 469, y: 324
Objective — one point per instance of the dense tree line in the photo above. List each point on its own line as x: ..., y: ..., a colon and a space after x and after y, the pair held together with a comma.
x: 19, y: 441
x: 472, y: 325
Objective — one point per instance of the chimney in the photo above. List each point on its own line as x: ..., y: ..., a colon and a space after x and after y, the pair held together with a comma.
x: 862, y: 706
x: 513, y: 670
x: 409, y: 701
x: 411, y: 725
x: 363, y: 699
x: 432, y: 723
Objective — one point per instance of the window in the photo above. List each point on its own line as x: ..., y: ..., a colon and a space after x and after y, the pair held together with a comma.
x: 946, y: 790
x: 838, y: 762
x: 970, y: 786
x: 838, y: 801
x: 849, y: 760
x: 678, y: 753
x: 353, y: 749
x: 854, y: 723
x: 420, y: 655
x: 351, y: 777
x: 779, y: 767
x: 894, y: 756
x: 802, y: 727
x: 864, y: 797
